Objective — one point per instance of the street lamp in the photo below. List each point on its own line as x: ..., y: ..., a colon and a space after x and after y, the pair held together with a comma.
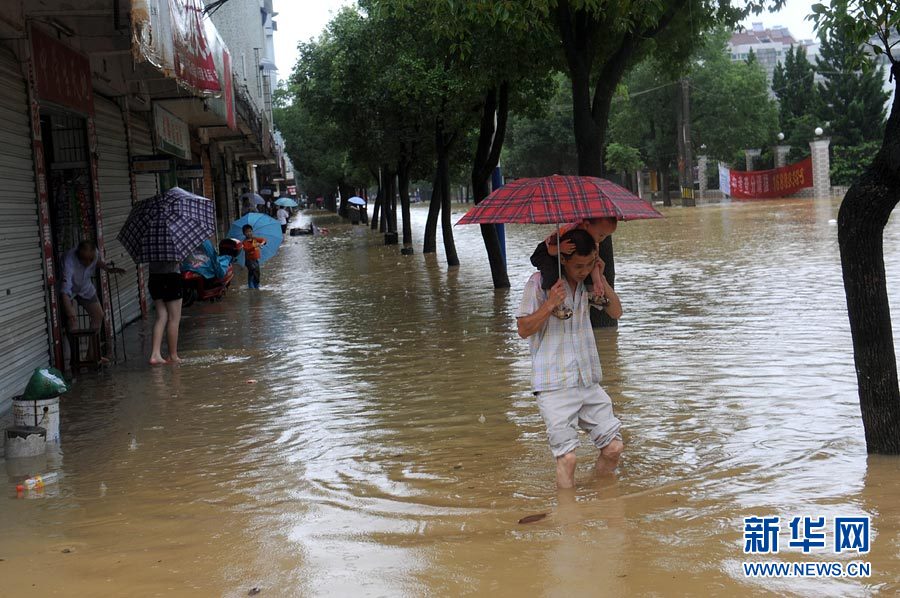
x: 819, y: 131
x: 781, y: 137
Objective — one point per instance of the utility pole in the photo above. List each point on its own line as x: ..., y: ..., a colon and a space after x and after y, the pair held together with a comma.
x: 687, y: 177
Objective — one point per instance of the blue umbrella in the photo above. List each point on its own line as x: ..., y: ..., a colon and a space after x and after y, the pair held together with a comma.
x: 286, y: 202
x: 265, y: 227
x: 168, y: 226
x: 356, y: 201
x: 253, y: 199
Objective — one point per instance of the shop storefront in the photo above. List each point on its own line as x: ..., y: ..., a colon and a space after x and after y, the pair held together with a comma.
x: 81, y: 152
x: 25, y: 342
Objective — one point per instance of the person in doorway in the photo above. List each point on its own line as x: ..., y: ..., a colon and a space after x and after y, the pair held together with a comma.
x: 565, y: 365
x: 283, y: 216
x: 166, y: 292
x: 77, y: 288
x: 248, y: 202
x: 544, y: 259
x: 252, y: 255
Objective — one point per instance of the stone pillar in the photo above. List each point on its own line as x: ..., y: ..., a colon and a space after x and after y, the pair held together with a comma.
x: 781, y: 154
x: 751, y: 155
x: 821, y: 167
x: 702, y: 162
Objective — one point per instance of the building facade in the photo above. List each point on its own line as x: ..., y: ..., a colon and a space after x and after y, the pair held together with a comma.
x: 103, y: 105
x: 769, y: 45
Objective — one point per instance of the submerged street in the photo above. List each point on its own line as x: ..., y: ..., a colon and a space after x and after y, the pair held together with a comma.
x: 364, y: 425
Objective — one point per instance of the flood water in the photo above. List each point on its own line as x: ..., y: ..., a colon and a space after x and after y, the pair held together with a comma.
x: 390, y: 444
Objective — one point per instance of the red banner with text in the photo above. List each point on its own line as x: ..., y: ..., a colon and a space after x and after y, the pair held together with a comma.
x: 778, y: 182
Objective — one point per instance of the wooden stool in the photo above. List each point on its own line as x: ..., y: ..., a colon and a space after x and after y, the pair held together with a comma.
x: 76, y: 361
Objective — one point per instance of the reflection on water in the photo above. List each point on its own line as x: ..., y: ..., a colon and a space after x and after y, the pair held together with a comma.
x: 390, y: 443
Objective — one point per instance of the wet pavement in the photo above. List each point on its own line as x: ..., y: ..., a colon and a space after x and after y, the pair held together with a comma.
x: 363, y: 426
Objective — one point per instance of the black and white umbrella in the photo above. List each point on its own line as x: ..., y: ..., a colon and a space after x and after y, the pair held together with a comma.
x: 166, y: 227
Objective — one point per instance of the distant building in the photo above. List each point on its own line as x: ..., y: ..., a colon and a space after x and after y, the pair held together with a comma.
x: 248, y: 27
x: 769, y: 45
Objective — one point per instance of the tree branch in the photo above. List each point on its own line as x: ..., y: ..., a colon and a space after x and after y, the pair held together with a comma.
x: 615, y: 66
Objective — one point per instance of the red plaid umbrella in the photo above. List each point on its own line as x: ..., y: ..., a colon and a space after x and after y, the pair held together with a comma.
x: 558, y: 199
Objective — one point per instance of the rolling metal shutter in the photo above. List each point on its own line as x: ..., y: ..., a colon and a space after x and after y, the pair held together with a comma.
x: 142, y: 145
x: 25, y: 341
x: 115, y: 196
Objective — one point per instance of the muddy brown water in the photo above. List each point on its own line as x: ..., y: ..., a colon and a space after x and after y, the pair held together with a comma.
x: 359, y: 463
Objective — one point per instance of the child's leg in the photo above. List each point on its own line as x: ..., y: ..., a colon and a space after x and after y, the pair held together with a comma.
x: 252, y: 274
x: 549, y: 273
x: 546, y: 264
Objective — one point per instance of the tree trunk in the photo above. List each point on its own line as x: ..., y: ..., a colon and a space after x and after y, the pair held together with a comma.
x: 376, y: 209
x: 403, y: 181
x: 861, y: 220
x: 389, y: 203
x: 588, y: 145
x: 446, y: 212
x: 434, y: 207
x: 383, y: 222
x: 665, y: 181
x: 392, y: 224
x: 578, y: 28
x: 587, y: 134
x: 346, y: 193
x: 487, y: 156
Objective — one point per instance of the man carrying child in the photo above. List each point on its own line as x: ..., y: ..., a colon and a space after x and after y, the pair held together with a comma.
x: 566, y: 370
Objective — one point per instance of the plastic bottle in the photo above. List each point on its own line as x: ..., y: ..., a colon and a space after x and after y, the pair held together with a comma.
x: 38, y: 481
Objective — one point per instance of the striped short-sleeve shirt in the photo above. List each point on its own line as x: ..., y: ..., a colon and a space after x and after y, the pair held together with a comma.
x: 564, y: 352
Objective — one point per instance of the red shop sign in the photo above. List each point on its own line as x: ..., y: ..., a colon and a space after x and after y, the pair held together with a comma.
x: 62, y: 75
x: 194, y: 64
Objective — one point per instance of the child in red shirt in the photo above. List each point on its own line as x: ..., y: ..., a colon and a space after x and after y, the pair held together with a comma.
x: 252, y: 255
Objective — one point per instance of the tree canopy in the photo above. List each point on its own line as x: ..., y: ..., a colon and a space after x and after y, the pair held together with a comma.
x: 852, y: 97
x: 731, y: 106
x: 798, y: 103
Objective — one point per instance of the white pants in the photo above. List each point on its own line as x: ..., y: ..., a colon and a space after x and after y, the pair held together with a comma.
x: 567, y: 409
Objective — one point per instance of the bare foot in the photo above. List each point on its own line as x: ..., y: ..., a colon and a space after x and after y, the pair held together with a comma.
x: 174, y: 359
x: 157, y: 360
